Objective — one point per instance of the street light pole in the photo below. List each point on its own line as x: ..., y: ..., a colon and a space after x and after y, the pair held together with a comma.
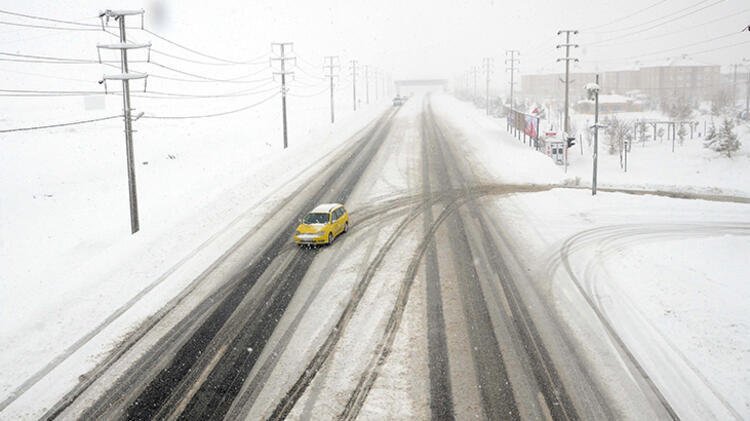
x: 593, y: 90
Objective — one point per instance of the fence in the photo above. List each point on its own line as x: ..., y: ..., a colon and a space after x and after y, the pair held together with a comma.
x: 524, y: 126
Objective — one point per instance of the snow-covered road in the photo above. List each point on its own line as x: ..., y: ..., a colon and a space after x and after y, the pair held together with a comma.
x: 470, y: 285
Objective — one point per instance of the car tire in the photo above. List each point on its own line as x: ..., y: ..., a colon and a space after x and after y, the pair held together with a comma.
x: 330, y: 237
x: 346, y: 227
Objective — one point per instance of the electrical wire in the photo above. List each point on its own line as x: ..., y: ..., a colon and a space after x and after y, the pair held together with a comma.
x: 658, y: 21
x: 674, y: 48
x: 324, y: 90
x: 237, y: 79
x: 15, y: 60
x: 624, y: 17
x: 61, y: 59
x: 45, y: 76
x: 184, y: 47
x: 95, y: 27
x: 159, y: 52
x: 150, y: 94
x: 50, y: 126
x: 157, y: 117
x: 690, y: 28
x: 59, y: 28
x: 6, y: 12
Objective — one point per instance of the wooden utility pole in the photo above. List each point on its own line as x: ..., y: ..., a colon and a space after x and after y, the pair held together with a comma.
x: 282, y: 59
x: 330, y: 65
x: 123, y: 46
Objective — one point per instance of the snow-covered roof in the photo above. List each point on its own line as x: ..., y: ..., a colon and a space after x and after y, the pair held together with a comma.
x: 325, y: 207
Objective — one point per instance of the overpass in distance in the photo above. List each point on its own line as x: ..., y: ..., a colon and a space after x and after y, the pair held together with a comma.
x: 422, y: 83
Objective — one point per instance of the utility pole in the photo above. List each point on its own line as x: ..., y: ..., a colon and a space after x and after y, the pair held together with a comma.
x: 353, y: 64
x: 126, y: 77
x: 567, y: 59
x: 282, y: 59
x: 475, y: 70
x: 367, y: 84
x: 747, y: 89
x: 487, y: 70
x: 512, y: 60
x: 466, y: 83
x: 734, y: 85
x: 375, y: 76
x: 330, y: 65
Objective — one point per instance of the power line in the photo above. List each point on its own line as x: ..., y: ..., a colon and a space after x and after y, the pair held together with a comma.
x: 657, y: 25
x: 96, y: 27
x: 178, y: 79
x: 237, y: 79
x: 45, y: 76
x: 151, y: 94
x: 157, y: 117
x: 6, y: 12
x: 689, y: 28
x: 652, y: 20
x: 61, y: 59
x: 322, y: 91
x: 675, y: 48
x: 50, y: 126
x: 194, y: 51
x: 59, y: 28
x: 625, y: 17
x: 172, y: 56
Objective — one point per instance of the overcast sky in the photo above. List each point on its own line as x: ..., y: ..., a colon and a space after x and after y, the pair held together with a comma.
x: 423, y: 38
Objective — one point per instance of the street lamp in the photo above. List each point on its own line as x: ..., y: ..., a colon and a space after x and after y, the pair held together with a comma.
x: 592, y: 89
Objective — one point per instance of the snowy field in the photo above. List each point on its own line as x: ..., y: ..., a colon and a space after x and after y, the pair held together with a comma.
x: 669, y: 275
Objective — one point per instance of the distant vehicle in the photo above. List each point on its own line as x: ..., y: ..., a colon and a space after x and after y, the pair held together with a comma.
x: 322, y: 225
x: 398, y: 101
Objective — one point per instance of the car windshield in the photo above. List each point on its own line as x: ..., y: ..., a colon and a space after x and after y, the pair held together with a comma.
x: 316, y: 218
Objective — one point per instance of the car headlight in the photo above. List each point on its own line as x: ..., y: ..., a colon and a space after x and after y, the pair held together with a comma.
x: 297, y: 232
x: 320, y: 233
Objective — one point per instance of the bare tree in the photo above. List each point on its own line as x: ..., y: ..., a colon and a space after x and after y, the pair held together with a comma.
x: 721, y: 102
x: 617, y: 132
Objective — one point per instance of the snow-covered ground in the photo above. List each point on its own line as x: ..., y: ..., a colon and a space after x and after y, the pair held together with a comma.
x: 651, y: 166
x: 68, y: 261
x: 669, y: 275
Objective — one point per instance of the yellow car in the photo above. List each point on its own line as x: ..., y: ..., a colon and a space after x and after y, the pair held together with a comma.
x: 322, y: 225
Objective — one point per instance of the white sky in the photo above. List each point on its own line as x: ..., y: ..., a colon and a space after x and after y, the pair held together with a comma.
x: 423, y: 38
